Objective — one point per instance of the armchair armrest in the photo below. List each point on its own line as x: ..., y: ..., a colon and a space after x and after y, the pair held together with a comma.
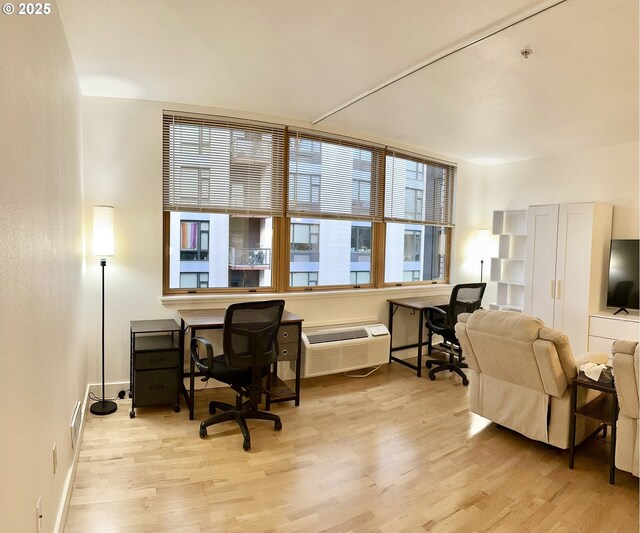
x: 592, y: 357
x: 624, y: 371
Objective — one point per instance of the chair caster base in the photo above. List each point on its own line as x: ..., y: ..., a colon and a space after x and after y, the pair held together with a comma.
x: 246, y: 445
x: 278, y: 425
x: 203, y: 433
x: 132, y: 414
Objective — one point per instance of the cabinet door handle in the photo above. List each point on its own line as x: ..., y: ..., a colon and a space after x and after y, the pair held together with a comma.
x: 559, y: 290
x: 553, y: 289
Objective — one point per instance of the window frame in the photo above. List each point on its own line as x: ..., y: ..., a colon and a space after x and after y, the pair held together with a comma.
x: 281, y: 249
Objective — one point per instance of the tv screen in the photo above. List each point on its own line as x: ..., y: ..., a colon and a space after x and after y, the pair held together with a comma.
x: 623, y: 274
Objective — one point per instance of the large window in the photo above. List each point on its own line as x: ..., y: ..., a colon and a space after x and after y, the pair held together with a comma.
x: 346, y: 203
x: 222, y: 188
x: 418, y: 214
x: 226, y: 185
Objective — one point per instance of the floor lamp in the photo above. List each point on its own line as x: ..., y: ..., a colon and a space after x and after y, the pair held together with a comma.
x: 483, y: 241
x: 103, y: 248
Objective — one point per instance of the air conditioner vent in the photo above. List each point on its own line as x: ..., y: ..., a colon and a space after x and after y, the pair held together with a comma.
x: 335, y: 336
x: 338, y: 349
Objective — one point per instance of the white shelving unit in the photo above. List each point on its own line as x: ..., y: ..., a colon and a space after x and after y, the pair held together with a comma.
x: 507, y: 270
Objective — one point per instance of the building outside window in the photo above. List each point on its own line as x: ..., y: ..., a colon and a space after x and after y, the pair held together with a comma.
x: 360, y: 277
x: 194, y: 240
x: 411, y: 275
x: 305, y: 243
x: 303, y: 279
x: 194, y: 280
x: 412, y: 244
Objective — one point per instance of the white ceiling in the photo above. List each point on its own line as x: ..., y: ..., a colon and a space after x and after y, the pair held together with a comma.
x: 300, y: 59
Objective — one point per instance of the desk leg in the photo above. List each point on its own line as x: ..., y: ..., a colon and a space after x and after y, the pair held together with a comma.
x: 390, y: 330
x: 192, y: 382
x: 420, y: 327
x: 614, y: 418
x: 572, y: 425
x: 298, y: 365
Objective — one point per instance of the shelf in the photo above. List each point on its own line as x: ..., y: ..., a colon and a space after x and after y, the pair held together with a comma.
x: 280, y: 391
x: 155, y: 342
x: 598, y: 409
x: 508, y: 269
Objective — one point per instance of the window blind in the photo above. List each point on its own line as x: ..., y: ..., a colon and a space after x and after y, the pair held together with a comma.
x: 214, y: 165
x: 418, y: 190
x: 333, y: 177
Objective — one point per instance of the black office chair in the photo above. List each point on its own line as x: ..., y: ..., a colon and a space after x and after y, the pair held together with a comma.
x: 465, y: 298
x: 249, y: 345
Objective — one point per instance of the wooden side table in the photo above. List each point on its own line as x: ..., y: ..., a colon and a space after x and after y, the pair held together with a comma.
x: 604, y: 408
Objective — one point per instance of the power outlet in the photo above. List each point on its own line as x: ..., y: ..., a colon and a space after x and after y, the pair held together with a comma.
x: 55, y: 457
x: 39, y: 515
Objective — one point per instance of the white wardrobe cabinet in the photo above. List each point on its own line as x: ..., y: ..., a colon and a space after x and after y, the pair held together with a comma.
x: 566, y: 266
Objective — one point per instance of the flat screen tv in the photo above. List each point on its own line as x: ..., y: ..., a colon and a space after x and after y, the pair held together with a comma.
x: 624, y: 268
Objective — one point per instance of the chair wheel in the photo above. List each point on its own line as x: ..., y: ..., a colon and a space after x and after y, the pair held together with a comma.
x: 203, y: 433
x: 132, y: 414
x: 278, y: 425
x: 432, y: 376
x: 465, y: 382
x: 176, y: 408
x: 428, y: 364
x: 246, y: 445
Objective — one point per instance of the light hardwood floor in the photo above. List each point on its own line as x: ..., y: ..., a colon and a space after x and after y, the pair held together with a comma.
x: 386, y: 453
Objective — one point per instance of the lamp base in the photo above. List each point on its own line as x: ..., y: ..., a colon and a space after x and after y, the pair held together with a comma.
x: 103, y: 407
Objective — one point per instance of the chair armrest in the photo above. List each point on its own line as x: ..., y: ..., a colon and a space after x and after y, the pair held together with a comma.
x: 436, y: 311
x: 196, y: 356
x: 592, y: 357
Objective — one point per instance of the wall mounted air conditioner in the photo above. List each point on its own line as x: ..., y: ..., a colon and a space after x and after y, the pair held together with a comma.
x: 338, y: 349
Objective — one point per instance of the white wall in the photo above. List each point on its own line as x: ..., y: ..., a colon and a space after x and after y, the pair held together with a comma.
x: 123, y: 167
x: 605, y: 174
x: 43, y: 357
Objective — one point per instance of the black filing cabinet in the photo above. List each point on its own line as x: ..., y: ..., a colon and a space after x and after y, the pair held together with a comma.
x: 156, y: 370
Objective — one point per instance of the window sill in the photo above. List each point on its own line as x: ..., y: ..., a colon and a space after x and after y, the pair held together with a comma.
x: 388, y: 292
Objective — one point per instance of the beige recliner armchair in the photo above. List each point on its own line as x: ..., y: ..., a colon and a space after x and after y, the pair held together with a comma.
x: 520, y: 375
x: 626, y: 369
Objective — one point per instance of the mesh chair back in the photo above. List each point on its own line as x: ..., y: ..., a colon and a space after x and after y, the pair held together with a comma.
x: 250, y: 332
x: 465, y: 298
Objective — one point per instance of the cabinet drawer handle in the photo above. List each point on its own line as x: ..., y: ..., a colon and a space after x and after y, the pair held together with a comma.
x: 285, y: 334
x: 284, y: 352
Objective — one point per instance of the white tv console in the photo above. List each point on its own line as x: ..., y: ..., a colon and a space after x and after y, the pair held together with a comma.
x: 605, y: 327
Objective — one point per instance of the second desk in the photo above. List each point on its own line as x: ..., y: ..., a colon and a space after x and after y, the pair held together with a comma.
x: 289, y: 349
x: 420, y: 304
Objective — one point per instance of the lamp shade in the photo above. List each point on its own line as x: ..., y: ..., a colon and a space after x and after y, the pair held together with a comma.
x: 103, y: 230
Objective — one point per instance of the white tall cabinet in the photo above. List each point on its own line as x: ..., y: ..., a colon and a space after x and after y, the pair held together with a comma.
x: 566, y: 266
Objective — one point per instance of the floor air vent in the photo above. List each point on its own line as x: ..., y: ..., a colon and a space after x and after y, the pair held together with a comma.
x: 339, y: 349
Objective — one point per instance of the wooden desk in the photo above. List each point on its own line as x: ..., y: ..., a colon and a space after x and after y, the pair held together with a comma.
x: 417, y: 303
x: 289, y: 339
